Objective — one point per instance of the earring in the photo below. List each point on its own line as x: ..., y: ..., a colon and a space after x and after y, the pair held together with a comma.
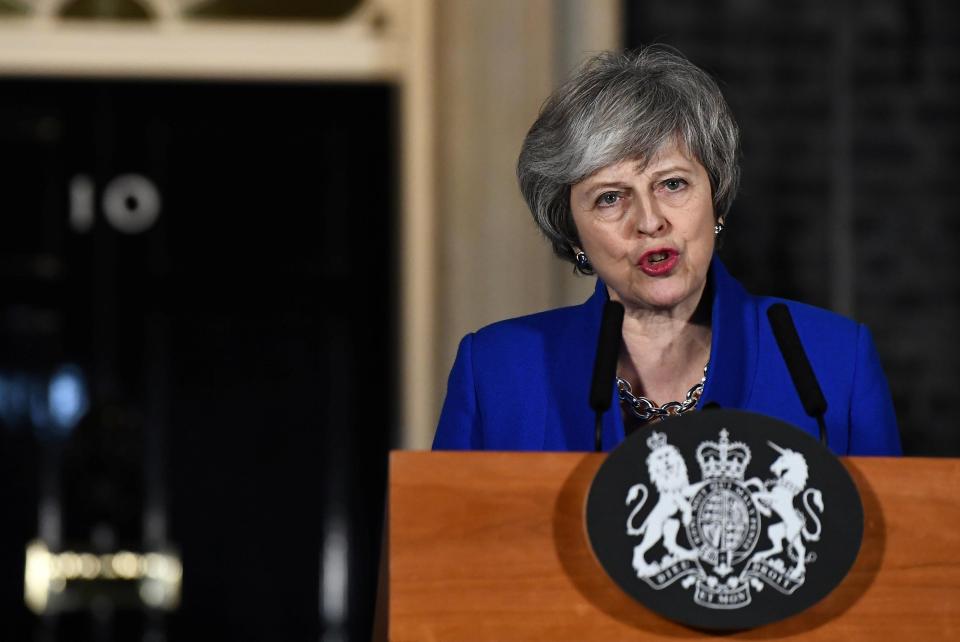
x: 718, y: 228
x: 582, y: 261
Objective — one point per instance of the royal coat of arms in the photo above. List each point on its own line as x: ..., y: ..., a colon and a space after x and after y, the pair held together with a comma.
x: 705, y: 534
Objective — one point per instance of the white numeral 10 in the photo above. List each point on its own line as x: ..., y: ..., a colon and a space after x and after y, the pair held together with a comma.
x: 131, y: 203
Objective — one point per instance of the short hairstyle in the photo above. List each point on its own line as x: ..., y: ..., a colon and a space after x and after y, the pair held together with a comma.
x: 619, y: 106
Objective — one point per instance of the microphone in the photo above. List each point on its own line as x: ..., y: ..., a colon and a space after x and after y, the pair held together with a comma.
x: 804, y: 380
x: 605, y: 365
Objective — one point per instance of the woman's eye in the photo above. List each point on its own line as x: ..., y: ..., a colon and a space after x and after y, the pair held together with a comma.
x: 674, y: 184
x: 608, y: 198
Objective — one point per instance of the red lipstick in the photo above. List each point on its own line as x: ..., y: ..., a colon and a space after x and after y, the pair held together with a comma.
x: 659, y: 262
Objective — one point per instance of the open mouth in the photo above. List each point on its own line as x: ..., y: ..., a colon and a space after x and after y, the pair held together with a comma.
x: 659, y: 262
x: 656, y: 257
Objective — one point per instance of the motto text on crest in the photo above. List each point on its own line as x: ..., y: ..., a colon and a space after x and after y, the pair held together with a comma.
x: 722, y: 519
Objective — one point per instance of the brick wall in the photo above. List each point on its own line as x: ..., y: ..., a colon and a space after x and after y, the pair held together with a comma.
x: 850, y: 116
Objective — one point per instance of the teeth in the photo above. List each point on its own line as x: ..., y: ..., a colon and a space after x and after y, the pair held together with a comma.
x: 659, y: 256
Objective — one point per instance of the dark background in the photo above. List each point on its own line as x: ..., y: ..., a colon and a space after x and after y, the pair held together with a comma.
x: 236, y: 381
x: 850, y: 125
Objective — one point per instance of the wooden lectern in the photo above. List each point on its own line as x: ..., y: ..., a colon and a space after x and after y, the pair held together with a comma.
x: 492, y: 546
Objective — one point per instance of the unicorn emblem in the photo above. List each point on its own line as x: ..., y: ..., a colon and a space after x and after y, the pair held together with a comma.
x: 777, y: 496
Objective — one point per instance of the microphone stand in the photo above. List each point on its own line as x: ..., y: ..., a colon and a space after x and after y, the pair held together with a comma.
x: 605, y: 366
x: 801, y: 372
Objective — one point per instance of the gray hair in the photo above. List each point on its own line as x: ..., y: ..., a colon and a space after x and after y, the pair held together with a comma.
x: 620, y: 106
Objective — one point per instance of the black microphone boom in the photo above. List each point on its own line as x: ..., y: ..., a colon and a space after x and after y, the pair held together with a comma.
x: 605, y: 365
x: 801, y: 372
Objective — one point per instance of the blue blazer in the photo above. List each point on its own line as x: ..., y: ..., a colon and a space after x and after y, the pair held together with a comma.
x: 523, y: 384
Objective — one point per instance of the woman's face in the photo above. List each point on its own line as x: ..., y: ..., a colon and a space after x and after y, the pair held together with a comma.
x: 648, y: 231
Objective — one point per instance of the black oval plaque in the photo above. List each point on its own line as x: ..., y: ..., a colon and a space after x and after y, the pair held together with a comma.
x: 724, y: 520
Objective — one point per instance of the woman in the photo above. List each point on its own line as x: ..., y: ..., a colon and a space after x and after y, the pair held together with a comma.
x: 630, y: 171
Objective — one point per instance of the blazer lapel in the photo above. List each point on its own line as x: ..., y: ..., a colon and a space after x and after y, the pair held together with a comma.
x: 733, y: 349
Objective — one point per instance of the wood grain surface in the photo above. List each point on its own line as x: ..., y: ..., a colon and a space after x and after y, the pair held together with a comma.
x: 491, y: 546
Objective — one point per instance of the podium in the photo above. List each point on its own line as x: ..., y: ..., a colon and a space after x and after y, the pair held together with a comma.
x: 492, y: 546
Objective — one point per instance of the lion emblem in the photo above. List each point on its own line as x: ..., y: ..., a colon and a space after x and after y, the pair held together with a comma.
x: 668, y: 472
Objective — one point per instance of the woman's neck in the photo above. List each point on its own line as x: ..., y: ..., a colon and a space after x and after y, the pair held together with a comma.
x: 663, y: 353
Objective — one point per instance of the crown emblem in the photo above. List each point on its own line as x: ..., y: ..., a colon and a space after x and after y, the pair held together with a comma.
x: 656, y: 440
x: 724, y: 459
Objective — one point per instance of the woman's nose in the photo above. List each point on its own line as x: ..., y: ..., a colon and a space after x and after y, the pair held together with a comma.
x: 648, y: 221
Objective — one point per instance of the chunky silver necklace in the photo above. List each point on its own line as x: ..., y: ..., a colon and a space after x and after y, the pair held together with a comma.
x: 645, y: 410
